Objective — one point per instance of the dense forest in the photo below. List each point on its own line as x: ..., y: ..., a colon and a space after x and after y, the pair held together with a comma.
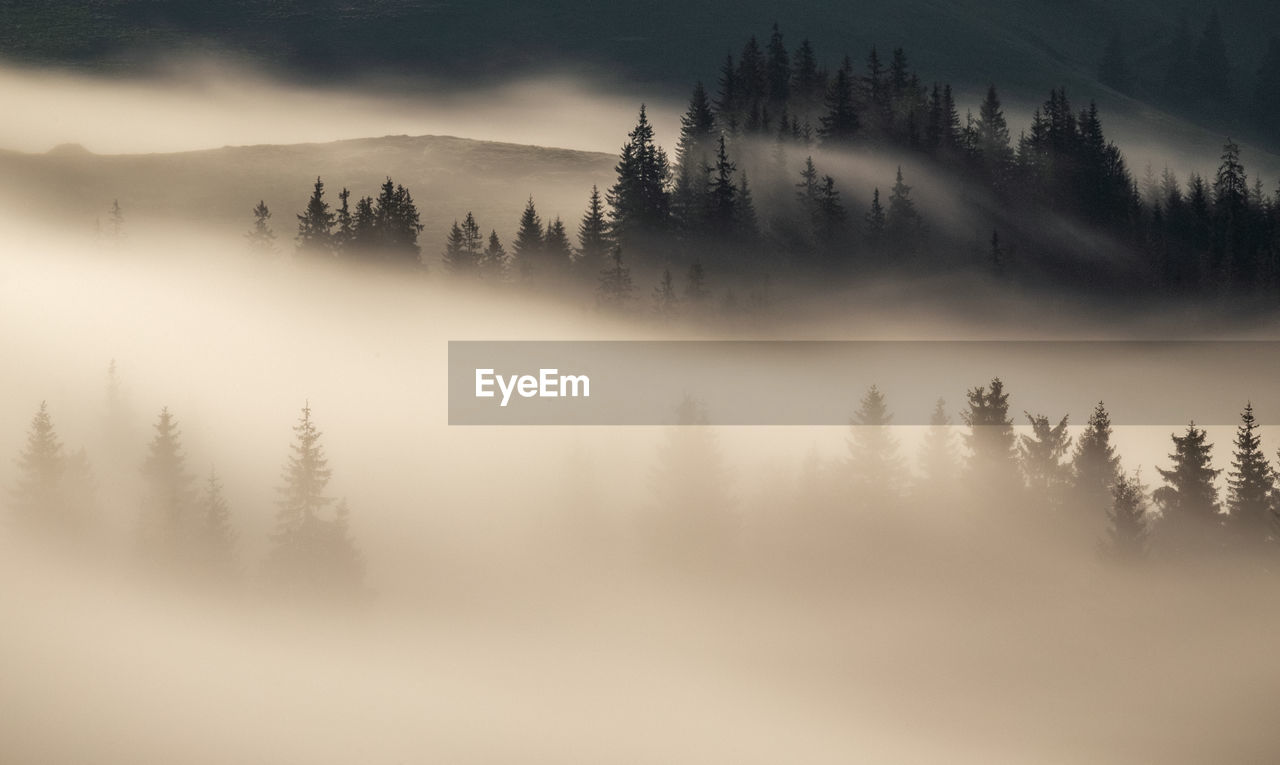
x: 745, y: 199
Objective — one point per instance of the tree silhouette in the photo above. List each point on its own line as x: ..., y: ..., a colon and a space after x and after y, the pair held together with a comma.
x: 1127, y: 522
x: 1250, y: 484
x: 615, y: 286
x: 1095, y: 466
x: 874, y: 462
x: 262, y: 240
x: 1189, y: 501
x: 36, y: 499
x: 593, y: 234
x: 315, y: 224
x: 166, y: 525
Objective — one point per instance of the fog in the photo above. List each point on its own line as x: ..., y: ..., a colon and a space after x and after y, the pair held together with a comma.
x: 556, y: 594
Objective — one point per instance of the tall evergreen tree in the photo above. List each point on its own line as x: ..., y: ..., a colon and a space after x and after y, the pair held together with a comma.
x: 1189, y: 500
x: 722, y: 195
x: 1127, y: 520
x: 315, y: 224
x: 262, y: 240
x: 215, y: 538
x: 615, y: 288
x: 807, y: 81
x: 874, y: 220
x: 991, y: 442
x: 593, y: 234
x: 938, y: 463
x: 462, y: 252
x: 993, y: 138
x: 1095, y: 466
x: 527, y: 249
x: 556, y: 248
x: 36, y: 499
x: 902, y: 222
x: 1250, y: 484
x: 312, y: 552
x: 639, y: 200
x: 493, y: 262
x: 874, y: 462
x: 778, y: 69
x: 1041, y: 454
x: 345, y: 231
x: 166, y: 525
x: 840, y: 122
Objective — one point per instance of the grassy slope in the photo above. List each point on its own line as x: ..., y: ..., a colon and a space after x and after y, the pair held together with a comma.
x: 447, y: 176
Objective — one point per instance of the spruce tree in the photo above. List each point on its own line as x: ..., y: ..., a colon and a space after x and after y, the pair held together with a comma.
x: 312, y: 551
x: 1189, y: 500
x: 262, y: 240
x: 874, y: 220
x: 807, y: 80
x: 840, y: 122
x: 829, y: 216
x: 398, y: 224
x: 991, y: 442
x: 556, y: 249
x: 902, y: 222
x: 593, y: 234
x: 1095, y: 466
x: 462, y: 252
x: 343, y: 235
x: 874, y: 463
x: 493, y: 263
x: 36, y: 500
x: 1250, y: 484
x: 992, y: 136
x: 527, y: 249
x: 1041, y: 454
x: 778, y: 69
x: 639, y: 200
x: 722, y: 195
x: 315, y: 224
x: 938, y: 463
x: 166, y: 525
x: 1127, y: 521
x: 215, y: 538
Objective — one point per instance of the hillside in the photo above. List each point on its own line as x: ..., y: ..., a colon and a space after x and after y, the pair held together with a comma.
x: 447, y: 176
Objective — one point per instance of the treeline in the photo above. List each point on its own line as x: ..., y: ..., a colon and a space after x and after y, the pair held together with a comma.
x: 184, y: 523
x: 743, y: 196
x: 1195, y: 72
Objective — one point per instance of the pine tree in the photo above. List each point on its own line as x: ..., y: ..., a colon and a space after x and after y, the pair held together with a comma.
x: 639, y: 200
x: 874, y: 463
x: 829, y: 215
x: 1189, y: 500
x: 215, y: 539
x: 398, y: 225
x: 722, y: 195
x: 493, y: 262
x: 665, y: 301
x: 697, y: 127
x: 1095, y: 466
x: 36, y: 500
x: 615, y: 282
x: 1250, y: 484
x: 262, y: 240
x: 166, y: 524
x: 1041, y: 454
x: 807, y: 81
x: 992, y: 138
x: 840, y: 123
x: 1127, y: 523
x: 527, y: 249
x: 311, y: 551
x: 902, y: 223
x: 346, y: 226
x: 778, y: 69
x: 875, y: 220
x: 729, y: 98
x: 556, y: 248
x: 990, y: 440
x: 315, y: 224
x: 462, y: 253
x: 938, y: 461
x: 593, y: 234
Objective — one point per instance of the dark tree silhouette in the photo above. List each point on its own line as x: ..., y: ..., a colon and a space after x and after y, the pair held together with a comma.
x: 639, y: 200
x: 1189, y: 500
x: 166, y: 526
x: 315, y: 224
x: 615, y: 288
x: 1127, y: 522
x: 874, y: 463
x: 262, y: 240
x: 1250, y: 484
x: 1095, y: 466
x: 593, y: 235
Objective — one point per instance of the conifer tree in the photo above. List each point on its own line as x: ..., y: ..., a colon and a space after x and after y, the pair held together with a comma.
x: 555, y: 246
x: 1095, y: 466
x: 1127, y: 521
x: 666, y: 303
x: 992, y: 136
x: 875, y: 220
x: 1189, y: 500
x: 262, y: 240
x: 990, y: 440
x: 722, y: 195
x: 697, y: 128
x: 215, y: 539
x: 1041, y: 454
x: 829, y: 215
x: 398, y: 224
x: 315, y: 224
x: 345, y: 231
x: 527, y: 249
x: 807, y: 82
x: 639, y: 200
x: 938, y: 463
x: 36, y: 499
x: 840, y: 123
x: 312, y: 551
x: 593, y: 234
x: 615, y: 282
x: 874, y: 463
x: 1250, y: 484
x: 747, y: 223
x: 902, y: 222
x: 166, y: 525
x: 493, y: 262
x: 778, y: 69
x: 729, y: 98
